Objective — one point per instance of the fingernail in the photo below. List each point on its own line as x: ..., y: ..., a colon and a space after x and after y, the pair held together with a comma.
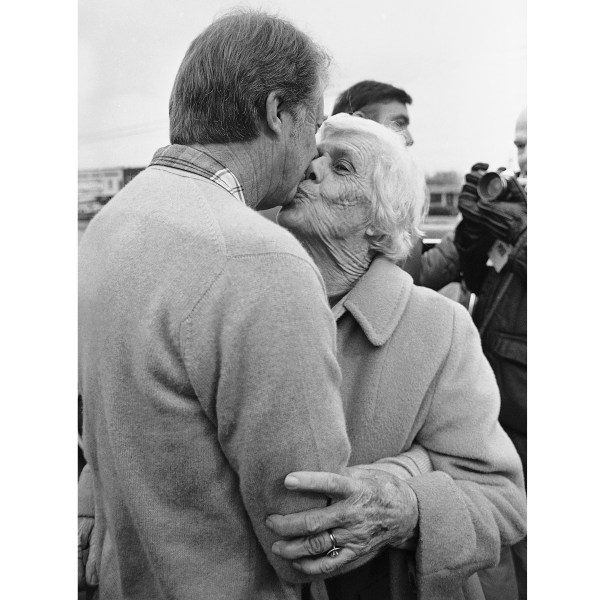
x: 291, y: 482
x: 275, y: 548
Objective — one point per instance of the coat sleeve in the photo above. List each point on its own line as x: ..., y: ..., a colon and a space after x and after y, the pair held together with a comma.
x: 440, y: 265
x: 474, y: 501
x: 415, y: 461
x: 278, y: 407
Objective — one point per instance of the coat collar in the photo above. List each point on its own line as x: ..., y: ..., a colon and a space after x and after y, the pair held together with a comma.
x: 379, y: 299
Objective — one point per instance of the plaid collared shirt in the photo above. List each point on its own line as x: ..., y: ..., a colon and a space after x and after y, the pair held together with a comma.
x: 196, y: 161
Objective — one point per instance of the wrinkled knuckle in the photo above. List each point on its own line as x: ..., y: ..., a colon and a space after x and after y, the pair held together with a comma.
x: 312, y: 523
x: 315, y: 545
x: 332, y: 484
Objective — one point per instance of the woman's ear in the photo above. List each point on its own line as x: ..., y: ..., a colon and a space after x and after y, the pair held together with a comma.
x: 273, y: 113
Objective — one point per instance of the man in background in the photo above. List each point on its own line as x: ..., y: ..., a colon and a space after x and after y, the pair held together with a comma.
x: 380, y: 102
x: 492, y: 243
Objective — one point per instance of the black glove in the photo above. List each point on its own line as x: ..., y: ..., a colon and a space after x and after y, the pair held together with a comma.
x: 472, y: 233
x: 506, y: 219
x: 503, y: 219
x: 472, y: 247
x: 472, y: 239
x: 469, y: 197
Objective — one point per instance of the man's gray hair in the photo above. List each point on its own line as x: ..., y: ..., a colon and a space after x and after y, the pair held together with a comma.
x: 222, y: 84
x: 398, y: 191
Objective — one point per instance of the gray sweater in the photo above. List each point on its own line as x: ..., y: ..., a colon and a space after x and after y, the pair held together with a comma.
x: 208, y: 372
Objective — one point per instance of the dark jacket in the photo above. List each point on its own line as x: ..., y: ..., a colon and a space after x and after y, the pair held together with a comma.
x: 503, y: 327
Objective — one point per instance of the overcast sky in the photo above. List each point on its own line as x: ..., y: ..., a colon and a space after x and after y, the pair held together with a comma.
x: 462, y: 61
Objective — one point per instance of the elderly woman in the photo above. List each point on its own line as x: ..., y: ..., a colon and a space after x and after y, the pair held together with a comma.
x: 413, y: 373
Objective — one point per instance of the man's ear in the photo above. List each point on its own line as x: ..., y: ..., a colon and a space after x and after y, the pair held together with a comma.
x: 273, y: 112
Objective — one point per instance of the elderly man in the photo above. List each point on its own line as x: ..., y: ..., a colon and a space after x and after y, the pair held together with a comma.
x: 388, y: 105
x: 205, y: 333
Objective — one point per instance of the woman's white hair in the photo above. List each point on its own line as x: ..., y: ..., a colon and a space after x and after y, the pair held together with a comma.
x: 399, y: 194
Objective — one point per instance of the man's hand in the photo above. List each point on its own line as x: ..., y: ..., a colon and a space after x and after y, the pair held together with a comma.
x: 502, y: 219
x: 372, y: 509
x: 506, y: 219
x: 469, y: 190
x: 469, y: 198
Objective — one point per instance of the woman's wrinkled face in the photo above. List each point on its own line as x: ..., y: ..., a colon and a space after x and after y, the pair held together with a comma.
x: 333, y: 201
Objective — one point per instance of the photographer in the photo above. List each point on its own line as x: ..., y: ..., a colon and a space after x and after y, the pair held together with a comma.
x: 492, y: 243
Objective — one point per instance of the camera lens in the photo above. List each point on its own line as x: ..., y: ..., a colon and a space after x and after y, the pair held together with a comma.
x: 492, y: 186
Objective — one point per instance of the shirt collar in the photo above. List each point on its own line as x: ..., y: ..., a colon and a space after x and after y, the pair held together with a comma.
x: 378, y: 300
x: 192, y: 160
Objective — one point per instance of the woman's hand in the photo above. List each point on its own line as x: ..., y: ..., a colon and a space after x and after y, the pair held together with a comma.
x: 88, y: 555
x: 372, y: 509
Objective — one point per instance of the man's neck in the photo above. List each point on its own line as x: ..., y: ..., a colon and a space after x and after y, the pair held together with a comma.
x: 245, y: 161
x: 341, y: 263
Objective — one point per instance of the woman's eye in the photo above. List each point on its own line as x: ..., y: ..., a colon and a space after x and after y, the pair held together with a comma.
x: 343, y: 167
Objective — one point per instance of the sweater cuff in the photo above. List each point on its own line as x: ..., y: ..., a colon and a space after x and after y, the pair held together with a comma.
x: 446, y: 549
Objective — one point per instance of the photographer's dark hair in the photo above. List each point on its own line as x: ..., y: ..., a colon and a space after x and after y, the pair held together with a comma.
x: 229, y: 70
x: 367, y: 92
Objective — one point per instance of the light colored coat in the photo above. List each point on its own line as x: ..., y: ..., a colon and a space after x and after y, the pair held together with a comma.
x: 208, y: 372
x: 413, y: 371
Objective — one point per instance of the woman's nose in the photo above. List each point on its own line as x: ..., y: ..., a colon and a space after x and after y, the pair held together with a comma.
x: 315, y: 170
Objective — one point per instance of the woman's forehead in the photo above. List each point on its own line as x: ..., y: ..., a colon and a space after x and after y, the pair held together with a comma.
x: 349, y: 140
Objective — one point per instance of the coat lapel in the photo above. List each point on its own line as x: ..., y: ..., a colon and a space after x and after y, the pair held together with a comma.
x: 379, y: 298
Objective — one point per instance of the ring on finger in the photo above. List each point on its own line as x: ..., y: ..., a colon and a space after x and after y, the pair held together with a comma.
x: 335, y: 550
